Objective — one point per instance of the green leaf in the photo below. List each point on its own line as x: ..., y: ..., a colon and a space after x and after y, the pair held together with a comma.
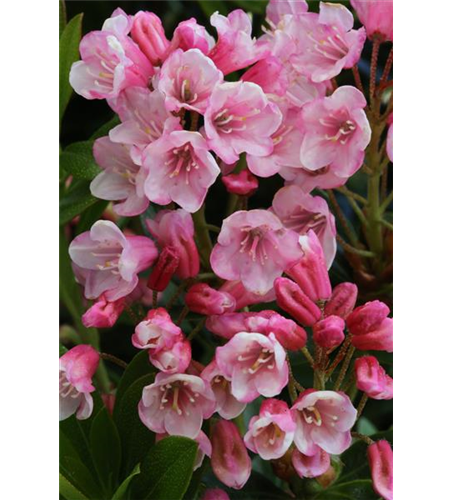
x: 167, y: 469
x: 120, y: 493
x: 105, y: 128
x: 77, y: 199
x: 69, y: 42
x: 69, y: 491
x: 360, y: 489
x: 78, y: 160
x: 105, y: 447
x: 78, y: 475
x: 63, y: 350
x: 211, y: 6
x: 91, y: 215
x: 63, y: 16
x: 255, y: 6
x: 136, y: 438
x: 366, y: 427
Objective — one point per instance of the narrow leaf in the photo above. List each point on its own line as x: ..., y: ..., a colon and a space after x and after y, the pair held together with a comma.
x: 63, y: 16
x: 77, y: 199
x: 120, y: 493
x: 69, y: 491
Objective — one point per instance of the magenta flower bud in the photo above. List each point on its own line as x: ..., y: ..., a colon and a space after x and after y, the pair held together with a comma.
x: 244, y: 183
x: 342, y: 301
x: 311, y: 466
x: 290, y: 335
x: 329, y: 332
x: 376, y: 17
x: 215, y: 494
x: 164, y: 269
x: 230, y: 461
x: 103, y: 314
x: 370, y: 327
x: 148, y: 33
x: 291, y: 298
x: 203, y: 299
x: 381, y: 468
x: 311, y: 273
x: 372, y: 379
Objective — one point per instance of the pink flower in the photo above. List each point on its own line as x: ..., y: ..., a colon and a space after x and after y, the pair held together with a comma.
x: 230, y: 461
x: 243, y: 184
x: 381, y: 467
x: 324, y: 420
x: 277, y: 9
x: 173, y: 360
x: 302, y: 212
x: 103, y: 314
x: 290, y: 335
x: 175, y: 228
x: 291, y: 298
x: 215, y: 494
x: 149, y: 34
x: 327, y: 43
x: 372, y: 379
x: 111, y: 61
x: 307, y: 180
x: 311, y: 466
x: 370, y: 327
x: 336, y: 132
x: 204, y: 447
x: 227, y: 325
x: 240, y: 119
x: 255, y: 248
x: 180, y: 169
x: 227, y: 405
x: 286, y: 147
x: 328, y: 333
x: 342, y: 301
x: 191, y: 35
x: 176, y: 404
x: 120, y: 179
x: 108, y: 261
x: 187, y: 80
x: 376, y: 17
x: 243, y: 297
x: 235, y: 49
x: 271, y: 433
x: 164, y: 269
x: 390, y: 139
x: 203, y: 299
x: 270, y: 75
x: 255, y: 364
x: 77, y: 368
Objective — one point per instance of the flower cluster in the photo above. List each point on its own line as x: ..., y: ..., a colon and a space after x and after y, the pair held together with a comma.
x: 183, y: 127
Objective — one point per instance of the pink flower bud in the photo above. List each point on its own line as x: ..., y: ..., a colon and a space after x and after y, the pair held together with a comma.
x: 370, y: 327
x: 243, y: 297
x: 329, y: 332
x: 244, y: 183
x: 381, y: 465
x: 311, y: 466
x: 372, y: 379
x: 269, y: 74
x: 215, y: 494
x: 376, y: 17
x: 191, y: 35
x: 227, y: 325
x: 290, y: 335
x: 164, y: 269
x: 291, y: 298
x: 103, y: 314
x: 203, y: 299
x: 230, y: 461
x: 311, y: 273
x: 342, y: 300
x: 148, y: 33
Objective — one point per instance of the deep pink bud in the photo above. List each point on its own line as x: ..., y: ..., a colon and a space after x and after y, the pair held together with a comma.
x: 227, y: 325
x: 342, y: 300
x: 290, y: 335
x: 148, y: 33
x: 329, y: 332
x: 191, y: 35
x: 269, y: 74
x: 203, y: 299
x: 243, y: 297
x: 230, y: 461
x: 311, y: 273
x: 291, y: 298
x: 215, y: 494
x: 370, y: 327
x: 164, y: 269
x: 381, y: 467
x: 372, y: 379
x: 376, y: 16
x: 244, y: 183
x: 103, y: 314
x: 310, y: 466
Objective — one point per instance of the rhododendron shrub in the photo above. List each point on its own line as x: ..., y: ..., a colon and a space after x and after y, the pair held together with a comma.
x: 226, y: 251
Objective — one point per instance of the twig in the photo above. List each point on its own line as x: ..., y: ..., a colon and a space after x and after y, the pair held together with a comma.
x: 341, y: 217
x: 113, y: 359
x: 344, y: 368
x: 154, y: 299
x: 177, y: 293
x: 387, y: 224
x: 364, y: 438
x: 387, y: 68
x: 182, y: 315
x: 339, y: 356
x: 373, y: 71
x: 386, y: 202
x: 308, y: 356
x: 350, y: 194
x: 356, y: 251
x: 197, y: 329
x: 361, y: 405
x: 357, y: 78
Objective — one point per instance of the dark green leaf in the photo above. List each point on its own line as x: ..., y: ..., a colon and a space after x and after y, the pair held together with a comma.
x: 70, y: 491
x: 78, y: 475
x: 91, y: 215
x: 120, y: 493
x: 63, y: 16
x: 360, y: 489
x: 105, y: 448
x: 166, y: 470
x: 105, y: 128
x: 78, y: 161
x: 69, y: 42
x: 211, y: 6
x: 77, y: 199
x: 255, y: 6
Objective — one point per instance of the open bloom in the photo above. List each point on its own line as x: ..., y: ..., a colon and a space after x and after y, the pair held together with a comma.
x: 372, y: 379
x: 255, y: 364
x: 376, y: 17
x: 271, y: 433
x: 240, y: 119
x: 336, y: 132
x: 120, y: 179
x: 302, y: 212
x: 148, y: 33
x: 109, y: 262
x: 111, y: 61
x: 180, y: 169
x: 187, y: 80
x: 176, y: 404
x: 103, y: 314
x: 324, y: 420
x: 277, y: 9
x: 227, y: 405
x: 381, y: 467
x: 77, y: 368
x: 327, y: 42
x: 174, y: 228
x: 311, y: 466
x: 255, y: 248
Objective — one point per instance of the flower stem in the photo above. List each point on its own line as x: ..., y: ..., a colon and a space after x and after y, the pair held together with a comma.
x: 364, y: 438
x: 114, y: 359
x: 361, y: 405
x: 373, y: 71
x: 344, y: 368
x: 357, y: 78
